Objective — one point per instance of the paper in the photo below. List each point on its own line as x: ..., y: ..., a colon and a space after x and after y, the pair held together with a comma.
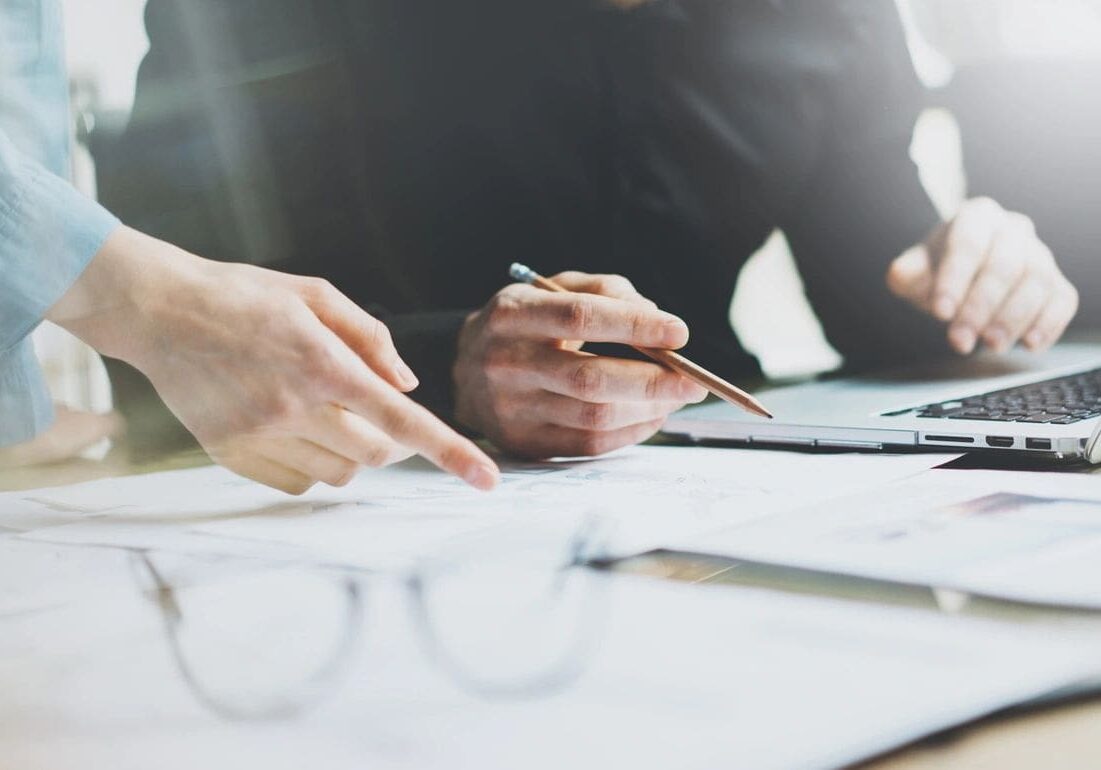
x: 1023, y: 536
x: 35, y: 576
x: 652, y: 496
x: 684, y: 676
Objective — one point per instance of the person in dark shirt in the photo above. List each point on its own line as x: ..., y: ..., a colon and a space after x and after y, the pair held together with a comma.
x: 410, y: 151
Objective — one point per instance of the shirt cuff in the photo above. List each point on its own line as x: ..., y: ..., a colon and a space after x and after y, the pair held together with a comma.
x: 25, y: 406
x: 49, y: 233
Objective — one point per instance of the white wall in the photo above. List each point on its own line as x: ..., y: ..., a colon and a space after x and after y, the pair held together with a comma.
x: 106, y: 41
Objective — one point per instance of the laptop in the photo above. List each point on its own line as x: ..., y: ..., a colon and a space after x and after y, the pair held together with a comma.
x: 1047, y: 404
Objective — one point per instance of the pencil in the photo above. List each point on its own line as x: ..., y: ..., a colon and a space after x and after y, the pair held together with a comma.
x: 675, y: 361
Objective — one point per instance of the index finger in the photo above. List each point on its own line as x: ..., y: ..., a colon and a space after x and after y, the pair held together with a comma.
x: 359, y: 330
x: 410, y: 424
x: 605, y: 285
x: 963, y: 245
x: 537, y: 314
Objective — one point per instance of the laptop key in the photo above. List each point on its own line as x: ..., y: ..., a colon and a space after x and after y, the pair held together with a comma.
x: 1060, y: 401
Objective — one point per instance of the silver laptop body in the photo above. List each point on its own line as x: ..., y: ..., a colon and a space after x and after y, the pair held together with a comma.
x: 882, y: 411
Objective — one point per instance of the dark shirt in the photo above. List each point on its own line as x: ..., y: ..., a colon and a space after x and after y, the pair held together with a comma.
x: 410, y: 150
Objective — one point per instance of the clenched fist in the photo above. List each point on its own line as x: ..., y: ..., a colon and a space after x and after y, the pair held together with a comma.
x: 522, y: 379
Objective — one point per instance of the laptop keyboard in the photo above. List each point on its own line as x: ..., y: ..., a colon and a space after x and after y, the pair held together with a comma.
x: 1062, y: 401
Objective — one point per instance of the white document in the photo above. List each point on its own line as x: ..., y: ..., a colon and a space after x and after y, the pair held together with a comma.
x: 35, y: 576
x: 1023, y: 536
x: 681, y: 677
x: 650, y: 495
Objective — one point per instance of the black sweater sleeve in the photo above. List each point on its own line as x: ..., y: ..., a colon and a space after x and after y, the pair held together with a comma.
x: 864, y: 204
x: 427, y: 342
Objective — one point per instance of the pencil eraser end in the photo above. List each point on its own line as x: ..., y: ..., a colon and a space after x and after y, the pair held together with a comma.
x: 521, y: 273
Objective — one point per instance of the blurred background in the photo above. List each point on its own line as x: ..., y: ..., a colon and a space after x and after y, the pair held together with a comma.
x: 1012, y: 113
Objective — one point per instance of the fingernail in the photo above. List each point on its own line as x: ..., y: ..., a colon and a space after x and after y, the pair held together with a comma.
x: 482, y: 477
x: 674, y: 333
x: 1034, y: 339
x: 963, y: 339
x: 944, y: 308
x: 406, y: 376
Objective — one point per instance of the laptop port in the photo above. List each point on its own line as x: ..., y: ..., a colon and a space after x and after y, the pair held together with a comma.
x: 1001, y: 442
x: 1038, y: 443
x: 950, y: 439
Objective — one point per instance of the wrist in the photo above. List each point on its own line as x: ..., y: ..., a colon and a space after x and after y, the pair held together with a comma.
x: 461, y: 375
x: 118, y: 303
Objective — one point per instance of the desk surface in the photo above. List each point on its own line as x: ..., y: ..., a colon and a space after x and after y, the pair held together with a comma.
x: 1065, y: 735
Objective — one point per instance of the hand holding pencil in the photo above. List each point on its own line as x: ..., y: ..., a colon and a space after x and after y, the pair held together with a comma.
x: 678, y: 363
x: 522, y: 378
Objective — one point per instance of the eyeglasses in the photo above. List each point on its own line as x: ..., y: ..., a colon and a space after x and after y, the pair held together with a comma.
x: 514, y: 612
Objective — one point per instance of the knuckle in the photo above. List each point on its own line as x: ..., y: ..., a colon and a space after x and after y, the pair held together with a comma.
x: 1043, y: 255
x: 1009, y: 258
x: 316, y: 289
x: 296, y: 488
x: 377, y: 456
x: 501, y: 312
x: 510, y: 411
x: 453, y: 455
x: 577, y: 317
x: 639, y: 323
x: 317, y: 360
x: 597, y: 417
x: 498, y: 360
x: 343, y: 475
x: 378, y: 333
x: 982, y: 205
x: 570, y: 277
x: 655, y: 385
x: 399, y: 422
x: 991, y: 289
x: 592, y: 443
x: 276, y: 408
x: 1071, y: 297
x: 587, y: 380
x: 615, y: 285
x: 1021, y: 224
x: 510, y: 438
x: 974, y: 314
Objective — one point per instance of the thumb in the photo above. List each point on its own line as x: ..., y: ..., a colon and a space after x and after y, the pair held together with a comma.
x: 910, y: 276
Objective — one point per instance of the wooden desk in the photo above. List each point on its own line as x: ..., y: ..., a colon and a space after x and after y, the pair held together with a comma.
x: 1067, y: 735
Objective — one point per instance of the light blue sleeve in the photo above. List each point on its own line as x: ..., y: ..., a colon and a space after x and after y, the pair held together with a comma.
x: 48, y: 231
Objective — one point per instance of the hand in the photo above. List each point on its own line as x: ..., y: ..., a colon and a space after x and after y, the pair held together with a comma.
x: 70, y: 435
x: 990, y: 278
x: 519, y: 381
x: 281, y: 379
